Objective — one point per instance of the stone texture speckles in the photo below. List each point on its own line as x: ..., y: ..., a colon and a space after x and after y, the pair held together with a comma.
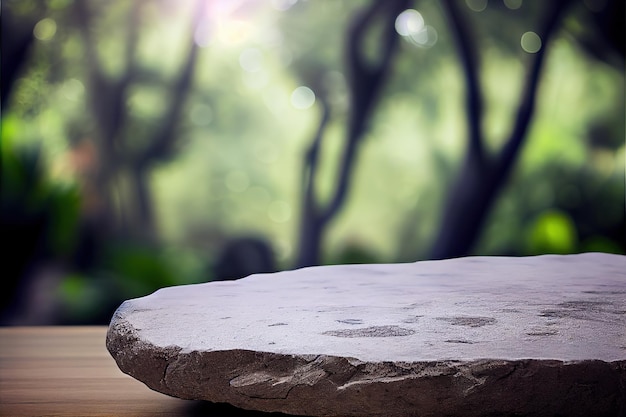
x: 373, y: 331
x: 464, y: 337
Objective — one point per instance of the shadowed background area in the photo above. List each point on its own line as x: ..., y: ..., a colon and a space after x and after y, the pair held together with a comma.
x: 156, y: 142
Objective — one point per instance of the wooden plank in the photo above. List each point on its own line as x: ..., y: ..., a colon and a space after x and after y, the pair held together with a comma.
x: 67, y: 371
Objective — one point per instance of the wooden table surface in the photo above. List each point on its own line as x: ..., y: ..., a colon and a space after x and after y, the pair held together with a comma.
x: 67, y: 371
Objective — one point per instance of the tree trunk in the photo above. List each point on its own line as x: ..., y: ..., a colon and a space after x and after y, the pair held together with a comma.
x: 310, y: 241
x: 482, y: 175
x: 142, y: 218
x: 365, y: 82
x: 466, y: 209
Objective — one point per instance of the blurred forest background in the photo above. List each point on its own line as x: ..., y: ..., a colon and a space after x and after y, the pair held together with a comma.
x: 150, y: 143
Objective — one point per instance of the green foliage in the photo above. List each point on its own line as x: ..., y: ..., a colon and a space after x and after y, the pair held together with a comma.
x: 238, y: 162
x: 38, y: 217
x: 86, y: 299
x: 552, y: 232
x: 354, y: 253
x: 138, y: 269
x: 123, y: 271
x: 29, y: 197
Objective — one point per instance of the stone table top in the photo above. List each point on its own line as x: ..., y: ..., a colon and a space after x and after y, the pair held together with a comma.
x: 549, y: 308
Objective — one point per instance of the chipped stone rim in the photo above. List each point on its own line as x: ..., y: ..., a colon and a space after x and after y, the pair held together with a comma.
x: 343, y: 380
x: 180, y: 341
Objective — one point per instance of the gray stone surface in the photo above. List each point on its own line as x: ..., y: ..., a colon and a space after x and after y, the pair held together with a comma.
x: 472, y: 336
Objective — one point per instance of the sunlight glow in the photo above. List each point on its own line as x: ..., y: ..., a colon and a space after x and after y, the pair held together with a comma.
x: 233, y: 32
x: 203, y: 34
x: 225, y: 22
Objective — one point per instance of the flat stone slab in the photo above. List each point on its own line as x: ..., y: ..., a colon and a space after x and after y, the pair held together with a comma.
x: 472, y: 336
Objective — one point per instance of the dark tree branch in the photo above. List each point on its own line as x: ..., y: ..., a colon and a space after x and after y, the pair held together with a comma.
x: 474, y: 102
x: 107, y: 99
x: 161, y: 147
x: 365, y: 86
x: 84, y: 17
x: 310, y: 223
x: 106, y: 96
x: 132, y: 38
x: 365, y: 77
x: 365, y: 80
x: 478, y: 184
x: 128, y: 76
x: 527, y: 104
x: 311, y: 161
x: 17, y: 40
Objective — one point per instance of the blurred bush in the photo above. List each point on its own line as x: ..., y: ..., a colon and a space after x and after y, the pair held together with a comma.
x: 38, y: 220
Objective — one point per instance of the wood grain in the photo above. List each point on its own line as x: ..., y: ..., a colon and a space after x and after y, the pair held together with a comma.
x: 67, y: 371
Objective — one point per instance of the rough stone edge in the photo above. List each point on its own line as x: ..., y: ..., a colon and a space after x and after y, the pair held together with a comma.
x: 337, y: 386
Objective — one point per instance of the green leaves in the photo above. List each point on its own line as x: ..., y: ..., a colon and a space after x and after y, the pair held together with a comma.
x: 552, y: 231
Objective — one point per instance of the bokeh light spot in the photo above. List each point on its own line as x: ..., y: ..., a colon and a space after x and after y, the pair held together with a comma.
x: 251, y: 60
x: 72, y: 89
x: 513, y: 4
x: 477, y: 5
x: 531, y: 42
x: 45, y: 29
x: 302, y: 98
x: 279, y: 211
x: 409, y: 22
x: 425, y: 38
